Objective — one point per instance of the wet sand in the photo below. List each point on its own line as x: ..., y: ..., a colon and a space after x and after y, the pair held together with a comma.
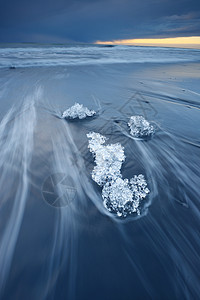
x: 81, y: 251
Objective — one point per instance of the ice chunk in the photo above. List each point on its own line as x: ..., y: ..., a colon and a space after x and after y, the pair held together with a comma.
x: 121, y: 196
x: 108, y: 158
x: 140, y: 127
x: 78, y: 111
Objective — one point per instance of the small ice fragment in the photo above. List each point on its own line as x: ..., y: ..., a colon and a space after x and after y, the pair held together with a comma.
x: 78, y: 111
x: 121, y: 196
x: 140, y: 127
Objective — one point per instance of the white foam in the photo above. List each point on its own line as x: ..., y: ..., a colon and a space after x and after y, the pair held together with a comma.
x: 73, y: 55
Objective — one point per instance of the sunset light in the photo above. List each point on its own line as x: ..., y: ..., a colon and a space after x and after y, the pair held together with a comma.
x: 183, y: 42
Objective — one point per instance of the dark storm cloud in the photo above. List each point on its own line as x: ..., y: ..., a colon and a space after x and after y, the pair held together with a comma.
x: 89, y: 20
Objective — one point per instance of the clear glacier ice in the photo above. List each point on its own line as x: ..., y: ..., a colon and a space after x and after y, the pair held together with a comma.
x: 120, y: 196
x: 108, y: 158
x: 140, y: 127
x: 78, y: 111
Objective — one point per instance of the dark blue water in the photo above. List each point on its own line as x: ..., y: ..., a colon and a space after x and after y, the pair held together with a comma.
x: 57, y: 241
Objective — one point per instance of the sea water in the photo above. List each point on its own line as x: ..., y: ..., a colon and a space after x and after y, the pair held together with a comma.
x: 58, y: 238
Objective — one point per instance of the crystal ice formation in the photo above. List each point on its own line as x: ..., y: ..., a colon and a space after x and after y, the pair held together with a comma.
x: 78, y: 111
x: 108, y: 158
x: 140, y: 127
x: 121, y: 196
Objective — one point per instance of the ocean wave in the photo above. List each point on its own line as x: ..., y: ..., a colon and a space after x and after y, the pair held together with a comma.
x: 90, y: 55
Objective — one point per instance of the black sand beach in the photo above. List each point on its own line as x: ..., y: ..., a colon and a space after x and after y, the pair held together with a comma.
x: 77, y: 249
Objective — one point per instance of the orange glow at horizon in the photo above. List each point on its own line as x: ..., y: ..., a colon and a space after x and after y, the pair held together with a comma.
x: 190, y: 42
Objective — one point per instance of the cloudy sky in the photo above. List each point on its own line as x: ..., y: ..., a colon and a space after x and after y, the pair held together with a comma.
x: 62, y: 21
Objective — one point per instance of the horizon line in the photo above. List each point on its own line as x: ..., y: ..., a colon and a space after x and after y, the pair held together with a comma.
x: 182, y: 42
